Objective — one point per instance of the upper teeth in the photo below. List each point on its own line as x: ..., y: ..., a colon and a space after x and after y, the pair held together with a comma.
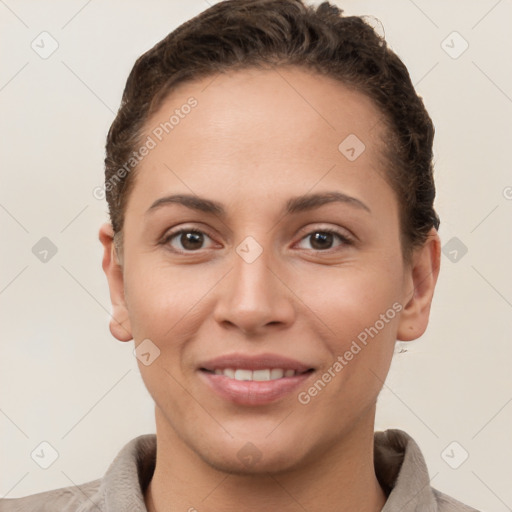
x: 267, y: 374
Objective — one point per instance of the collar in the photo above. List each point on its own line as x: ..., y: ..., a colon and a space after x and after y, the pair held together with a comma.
x: 399, y: 467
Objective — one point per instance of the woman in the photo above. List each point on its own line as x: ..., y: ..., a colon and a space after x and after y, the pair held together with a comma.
x: 270, y: 187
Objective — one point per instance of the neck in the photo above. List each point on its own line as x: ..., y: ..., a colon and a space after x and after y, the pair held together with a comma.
x: 341, y: 479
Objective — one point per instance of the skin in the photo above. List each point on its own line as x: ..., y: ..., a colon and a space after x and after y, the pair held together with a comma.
x: 252, y: 143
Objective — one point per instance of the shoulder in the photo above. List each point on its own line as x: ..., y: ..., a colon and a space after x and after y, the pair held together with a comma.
x: 123, y: 483
x: 447, y: 504
x: 402, y: 471
x: 79, y: 498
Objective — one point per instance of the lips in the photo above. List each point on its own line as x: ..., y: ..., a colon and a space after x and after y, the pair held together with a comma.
x: 259, y: 362
x: 256, y: 375
x: 253, y: 380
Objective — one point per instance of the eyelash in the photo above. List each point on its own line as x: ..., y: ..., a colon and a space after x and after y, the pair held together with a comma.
x: 346, y: 240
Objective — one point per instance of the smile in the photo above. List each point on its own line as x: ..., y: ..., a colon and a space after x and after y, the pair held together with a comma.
x: 255, y: 375
x: 253, y: 380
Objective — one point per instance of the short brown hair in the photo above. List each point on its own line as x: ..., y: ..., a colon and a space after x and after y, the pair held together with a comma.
x: 236, y: 34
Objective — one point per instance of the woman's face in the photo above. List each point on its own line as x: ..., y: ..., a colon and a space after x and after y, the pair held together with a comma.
x: 321, y: 284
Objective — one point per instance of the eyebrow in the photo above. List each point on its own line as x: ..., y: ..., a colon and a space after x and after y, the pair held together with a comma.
x: 294, y: 205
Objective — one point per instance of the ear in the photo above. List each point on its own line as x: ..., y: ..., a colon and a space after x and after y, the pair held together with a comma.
x: 419, y: 284
x: 120, y: 320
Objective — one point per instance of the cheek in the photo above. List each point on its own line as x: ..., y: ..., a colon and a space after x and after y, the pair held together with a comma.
x: 352, y: 299
x: 361, y: 308
x: 161, y: 298
x: 361, y: 313
x: 161, y: 302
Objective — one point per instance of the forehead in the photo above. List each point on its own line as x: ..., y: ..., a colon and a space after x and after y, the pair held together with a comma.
x: 262, y: 129
x: 270, y: 106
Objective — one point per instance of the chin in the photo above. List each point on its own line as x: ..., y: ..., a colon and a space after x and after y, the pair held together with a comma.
x: 249, y: 460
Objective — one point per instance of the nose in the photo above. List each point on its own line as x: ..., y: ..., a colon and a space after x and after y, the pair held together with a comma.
x: 255, y: 296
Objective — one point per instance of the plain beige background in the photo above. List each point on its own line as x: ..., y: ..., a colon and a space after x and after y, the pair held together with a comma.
x: 66, y: 381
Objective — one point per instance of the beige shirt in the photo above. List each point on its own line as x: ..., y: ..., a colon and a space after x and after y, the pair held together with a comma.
x: 399, y: 466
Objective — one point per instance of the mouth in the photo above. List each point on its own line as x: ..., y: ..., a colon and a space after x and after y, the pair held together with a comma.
x: 260, y: 375
x: 254, y: 380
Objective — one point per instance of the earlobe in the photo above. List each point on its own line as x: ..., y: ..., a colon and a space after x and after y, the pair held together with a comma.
x: 420, y: 285
x: 120, y: 320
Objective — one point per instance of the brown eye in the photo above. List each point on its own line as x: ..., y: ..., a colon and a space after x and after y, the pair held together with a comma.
x: 322, y: 239
x: 189, y: 240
